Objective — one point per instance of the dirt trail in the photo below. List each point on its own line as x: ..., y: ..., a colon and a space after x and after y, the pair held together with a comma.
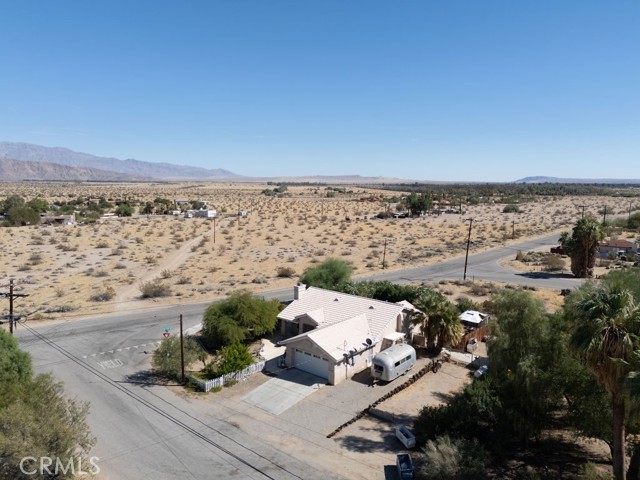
x: 171, y: 262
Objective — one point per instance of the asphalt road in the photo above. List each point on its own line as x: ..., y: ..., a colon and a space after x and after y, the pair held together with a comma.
x: 146, y: 430
x: 485, y: 266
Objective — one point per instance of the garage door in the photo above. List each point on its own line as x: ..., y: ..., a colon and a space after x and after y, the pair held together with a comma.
x: 311, y: 363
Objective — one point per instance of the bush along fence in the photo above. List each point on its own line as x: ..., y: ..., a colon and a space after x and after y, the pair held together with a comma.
x: 234, y: 376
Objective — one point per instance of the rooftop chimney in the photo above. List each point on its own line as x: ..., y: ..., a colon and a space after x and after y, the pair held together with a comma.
x: 298, y: 290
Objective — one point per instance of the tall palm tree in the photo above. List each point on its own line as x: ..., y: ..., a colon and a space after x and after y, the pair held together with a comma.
x: 582, y: 246
x: 440, y: 323
x: 606, y: 336
x: 450, y: 330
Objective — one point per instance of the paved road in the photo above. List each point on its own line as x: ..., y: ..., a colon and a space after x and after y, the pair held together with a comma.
x: 486, y: 266
x: 480, y: 266
x: 147, y: 431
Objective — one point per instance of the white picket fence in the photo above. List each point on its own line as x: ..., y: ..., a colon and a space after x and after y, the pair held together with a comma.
x: 220, y: 381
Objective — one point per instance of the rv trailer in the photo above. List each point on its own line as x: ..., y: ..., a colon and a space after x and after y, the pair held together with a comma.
x: 389, y: 364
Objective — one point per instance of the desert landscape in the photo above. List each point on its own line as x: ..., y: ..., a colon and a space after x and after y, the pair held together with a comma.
x: 77, y: 270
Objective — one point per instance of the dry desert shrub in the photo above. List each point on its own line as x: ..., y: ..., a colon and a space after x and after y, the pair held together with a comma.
x: 166, y: 274
x: 285, y: 272
x: 151, y: 260
x: 105, y: 295
x: 154, y: 289
x: 35, y: 258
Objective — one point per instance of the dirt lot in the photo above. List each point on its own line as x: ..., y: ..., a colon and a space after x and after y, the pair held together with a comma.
x: 372, y: 440
x: 71, y: 271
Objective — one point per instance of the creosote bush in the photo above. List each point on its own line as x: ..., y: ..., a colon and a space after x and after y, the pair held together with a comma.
x: 154, y: 289
x: 104, y: 296
x: 286, y: 272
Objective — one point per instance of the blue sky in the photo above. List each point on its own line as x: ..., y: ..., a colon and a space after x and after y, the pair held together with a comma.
x: 454, y: 90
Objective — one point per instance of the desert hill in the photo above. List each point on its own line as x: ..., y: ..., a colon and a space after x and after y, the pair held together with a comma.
x: 129, y: 167
x: 12, y: 170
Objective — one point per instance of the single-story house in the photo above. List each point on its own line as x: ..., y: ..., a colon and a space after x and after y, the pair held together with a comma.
x: 616, y: 247
x: 335, y: 335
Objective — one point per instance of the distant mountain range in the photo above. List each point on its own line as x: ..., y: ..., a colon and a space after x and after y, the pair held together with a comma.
x: 25, y: 161
x: 12, y: 170
x: 577, y: 180
x: 110, y: 168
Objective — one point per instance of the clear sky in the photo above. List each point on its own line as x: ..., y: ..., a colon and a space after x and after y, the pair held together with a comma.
x: 456, y: 90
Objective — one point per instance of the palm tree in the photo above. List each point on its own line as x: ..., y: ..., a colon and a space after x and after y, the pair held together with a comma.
x: 582, y: 246
x: 441, y: 320
x: 605, y: 335
x: 448, y: 328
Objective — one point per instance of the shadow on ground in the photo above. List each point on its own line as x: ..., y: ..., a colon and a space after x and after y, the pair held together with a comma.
x: 364, y: 377
x: 387, y: 442
x: 545, y: 275
x: 147, y: 378
x: 390, y: 472
x: 557, y: 456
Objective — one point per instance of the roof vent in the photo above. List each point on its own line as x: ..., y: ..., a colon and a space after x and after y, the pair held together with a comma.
x: 371, y: 307
x: 336, y: 299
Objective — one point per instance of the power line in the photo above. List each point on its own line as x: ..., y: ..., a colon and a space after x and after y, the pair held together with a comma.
x: 162, y: 412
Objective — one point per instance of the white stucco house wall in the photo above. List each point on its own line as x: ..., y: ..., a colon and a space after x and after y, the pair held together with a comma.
x: 335, y: 335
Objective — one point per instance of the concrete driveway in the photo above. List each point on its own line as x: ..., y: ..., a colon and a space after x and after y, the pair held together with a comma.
x: 281, y: 393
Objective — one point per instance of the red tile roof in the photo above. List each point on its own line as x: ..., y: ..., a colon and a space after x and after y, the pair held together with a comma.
x: 616, y: 244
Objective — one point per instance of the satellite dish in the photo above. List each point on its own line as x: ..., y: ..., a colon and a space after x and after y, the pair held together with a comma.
x: 369, y: 341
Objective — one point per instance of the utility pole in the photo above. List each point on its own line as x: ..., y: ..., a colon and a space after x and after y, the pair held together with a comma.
x: 583, y: 207
x: 466, y: 257
x: 11, y: 296
x: 214, y: 228
x: 604, y: 217
x: 384, y: 254
x: 513, y: 230
x: 181, y: 350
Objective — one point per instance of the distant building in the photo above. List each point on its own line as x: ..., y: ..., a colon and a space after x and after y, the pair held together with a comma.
x: 205, y: 213
x: 610, y: 248
x: 58, y: 219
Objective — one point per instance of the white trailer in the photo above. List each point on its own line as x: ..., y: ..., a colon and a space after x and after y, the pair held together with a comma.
x: 396, y: 360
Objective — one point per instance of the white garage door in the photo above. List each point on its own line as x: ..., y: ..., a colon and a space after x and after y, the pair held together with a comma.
x: 311, y: 363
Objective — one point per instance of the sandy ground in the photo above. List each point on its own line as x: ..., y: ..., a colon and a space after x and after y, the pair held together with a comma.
x: 64, y: 269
